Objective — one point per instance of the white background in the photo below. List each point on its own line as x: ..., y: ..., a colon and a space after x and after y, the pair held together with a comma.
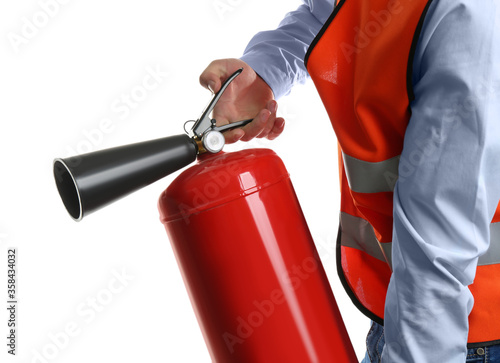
x: 56, y: 87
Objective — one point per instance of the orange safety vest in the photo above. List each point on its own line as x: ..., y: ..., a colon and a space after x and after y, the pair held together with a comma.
x: 361, y: 64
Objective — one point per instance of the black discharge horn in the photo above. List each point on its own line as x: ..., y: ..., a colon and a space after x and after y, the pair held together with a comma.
x: 91, y: 181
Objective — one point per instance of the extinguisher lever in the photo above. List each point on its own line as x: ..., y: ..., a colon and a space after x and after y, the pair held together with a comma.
x: 231, y: 126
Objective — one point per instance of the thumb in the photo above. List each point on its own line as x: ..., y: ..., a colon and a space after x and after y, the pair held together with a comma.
x: 211, y: 77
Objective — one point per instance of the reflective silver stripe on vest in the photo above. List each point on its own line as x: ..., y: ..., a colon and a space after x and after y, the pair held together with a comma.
x: 492, y: 256
x: 367, y: 177
x: 359, y: 234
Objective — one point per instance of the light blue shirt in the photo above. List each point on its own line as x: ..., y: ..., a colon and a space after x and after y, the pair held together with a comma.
x: 444, y: 206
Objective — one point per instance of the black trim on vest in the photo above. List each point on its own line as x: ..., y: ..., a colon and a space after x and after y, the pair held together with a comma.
x: 322, y: 30
x: 348, y: 289
x: 416, y: 37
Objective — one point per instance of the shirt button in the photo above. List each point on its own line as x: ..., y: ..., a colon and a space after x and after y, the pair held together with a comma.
x: 480, y: 351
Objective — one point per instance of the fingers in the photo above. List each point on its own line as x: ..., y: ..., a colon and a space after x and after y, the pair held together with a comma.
x: 255, y: 128
x: 265, y: 124
x: 249, y: 131
x: 272, y: 106
x: 233, y: 135
x: 277, y: 129
x: 274, y: 125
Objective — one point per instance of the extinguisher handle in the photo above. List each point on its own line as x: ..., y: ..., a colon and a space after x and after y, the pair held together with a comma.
x: 205, y: 123
x: 231, y: 126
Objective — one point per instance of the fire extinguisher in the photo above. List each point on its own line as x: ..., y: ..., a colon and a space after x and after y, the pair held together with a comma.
x: 245, y: 252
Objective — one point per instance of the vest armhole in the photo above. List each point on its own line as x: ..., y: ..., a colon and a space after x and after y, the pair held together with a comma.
x: 322, y: 30
x: 348, y: 289
x: 416, y: 37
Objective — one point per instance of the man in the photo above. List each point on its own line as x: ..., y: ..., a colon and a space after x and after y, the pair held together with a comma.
x: 412, y: 88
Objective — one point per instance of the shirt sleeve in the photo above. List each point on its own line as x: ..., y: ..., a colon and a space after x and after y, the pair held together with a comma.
x: 449, y: 180
x: 278, y: 55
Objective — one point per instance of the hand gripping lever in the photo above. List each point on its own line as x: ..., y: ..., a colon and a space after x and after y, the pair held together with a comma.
x: 207, y: 135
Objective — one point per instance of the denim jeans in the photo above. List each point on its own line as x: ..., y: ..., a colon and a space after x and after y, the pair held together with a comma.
x: 375, y: 343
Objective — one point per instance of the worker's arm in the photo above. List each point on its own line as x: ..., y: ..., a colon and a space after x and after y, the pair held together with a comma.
x: 278, y: 55
x: 449, y: 183
x: 273, y: 62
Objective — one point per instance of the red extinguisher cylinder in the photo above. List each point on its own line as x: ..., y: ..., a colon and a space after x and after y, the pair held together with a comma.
x: 249, y: 263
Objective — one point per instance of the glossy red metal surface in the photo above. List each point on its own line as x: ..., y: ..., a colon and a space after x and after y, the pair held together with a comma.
x: 249, y: 263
